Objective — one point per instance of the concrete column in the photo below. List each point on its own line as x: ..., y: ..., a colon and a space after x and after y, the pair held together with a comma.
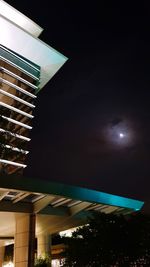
x: 43, y: 245
x: 24, y: 241
x: 2, y: 252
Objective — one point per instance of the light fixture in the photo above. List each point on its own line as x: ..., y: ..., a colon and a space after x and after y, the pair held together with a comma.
x: 18, y: 88
x: 18, y: 77
x: 16, y: 149
x: 16, y: 110
x: 15, y: 135
x: 12, y: 163
x: 17, y: 122
x: 17, y: 98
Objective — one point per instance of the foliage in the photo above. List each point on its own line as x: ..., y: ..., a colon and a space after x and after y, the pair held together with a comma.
x: 43, y: 261
x: 110, y: 240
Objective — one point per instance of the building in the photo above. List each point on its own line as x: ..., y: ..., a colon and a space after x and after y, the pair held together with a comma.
x: 19, y: 80
x: 30, y: 208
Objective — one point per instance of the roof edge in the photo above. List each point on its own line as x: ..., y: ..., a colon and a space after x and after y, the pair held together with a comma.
x: 75, y: 192
x: 19, y: 19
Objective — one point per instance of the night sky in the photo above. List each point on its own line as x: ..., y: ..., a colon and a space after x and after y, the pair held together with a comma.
x: 92, y: 120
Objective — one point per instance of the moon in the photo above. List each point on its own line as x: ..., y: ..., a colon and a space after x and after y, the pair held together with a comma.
x: 119, y: 134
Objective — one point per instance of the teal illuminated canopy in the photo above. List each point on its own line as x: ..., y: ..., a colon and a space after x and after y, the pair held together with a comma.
x: 74, y: 192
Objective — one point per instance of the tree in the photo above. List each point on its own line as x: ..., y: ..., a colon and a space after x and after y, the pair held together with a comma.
x: 43, y: 261
x: 110, y: 240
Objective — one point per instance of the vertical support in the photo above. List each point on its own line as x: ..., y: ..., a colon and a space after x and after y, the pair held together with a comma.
x: 2, y: 252
x: 44, y: 245
x: 31, y: 240
x: 24, y: 240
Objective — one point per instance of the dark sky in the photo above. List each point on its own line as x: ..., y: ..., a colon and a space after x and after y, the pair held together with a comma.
x: 103, y: 90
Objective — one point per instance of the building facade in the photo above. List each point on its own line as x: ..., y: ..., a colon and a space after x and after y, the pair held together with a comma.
x: 19, y: 81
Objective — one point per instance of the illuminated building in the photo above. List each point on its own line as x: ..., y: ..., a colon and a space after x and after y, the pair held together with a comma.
x: 29, y: 207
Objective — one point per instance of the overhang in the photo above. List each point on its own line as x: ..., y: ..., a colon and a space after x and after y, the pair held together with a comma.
x: 68, y: 192
x: 19, y: 40
x: 58, y: 207
x: 19, y: 19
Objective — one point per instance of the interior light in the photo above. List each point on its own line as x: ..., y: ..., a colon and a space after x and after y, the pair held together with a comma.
x: 8, y: 264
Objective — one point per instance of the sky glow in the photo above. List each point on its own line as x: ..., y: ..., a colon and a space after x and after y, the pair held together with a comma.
x: 119, y: 134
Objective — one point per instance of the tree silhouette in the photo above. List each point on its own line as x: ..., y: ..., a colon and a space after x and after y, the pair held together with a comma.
x: 110, y: 240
